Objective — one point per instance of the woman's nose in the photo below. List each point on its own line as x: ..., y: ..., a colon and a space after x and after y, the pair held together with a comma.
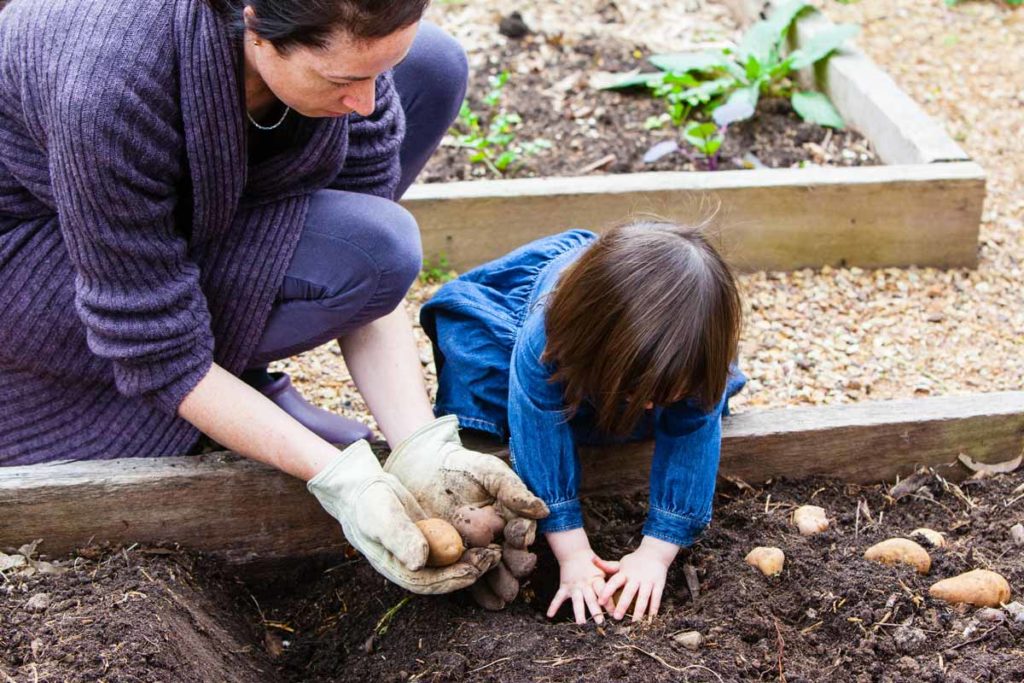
x: 362, y: 97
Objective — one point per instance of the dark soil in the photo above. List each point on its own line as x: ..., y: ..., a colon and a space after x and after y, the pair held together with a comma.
x: 831, y: 615
x: 549, y: 88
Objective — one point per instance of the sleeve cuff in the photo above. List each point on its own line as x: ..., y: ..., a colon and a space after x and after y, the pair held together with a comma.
x: 564, y: 516
x: 683, y: 530
x: 165, y: 384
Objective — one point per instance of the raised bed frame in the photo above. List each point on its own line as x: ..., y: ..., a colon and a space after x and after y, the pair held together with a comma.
x: 247, y: 513
x: 922, y: 208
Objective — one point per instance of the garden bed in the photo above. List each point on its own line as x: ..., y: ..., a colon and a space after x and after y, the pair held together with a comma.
x: 136, y: 615
x: 922, y: 207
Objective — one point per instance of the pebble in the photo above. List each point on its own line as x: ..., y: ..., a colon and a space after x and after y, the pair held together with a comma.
x: 1015, y: 610
x: 38, y: 602
x: 691, y: 640
x: 1017, y: 533
x: 990, y: 614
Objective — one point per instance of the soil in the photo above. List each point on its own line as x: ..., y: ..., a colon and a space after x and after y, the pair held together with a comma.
x: 831, y: 615
x: 598, y: 132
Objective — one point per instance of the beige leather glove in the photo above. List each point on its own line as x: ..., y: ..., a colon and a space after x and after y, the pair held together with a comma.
x: 378, y: 515
x: 443, y: 475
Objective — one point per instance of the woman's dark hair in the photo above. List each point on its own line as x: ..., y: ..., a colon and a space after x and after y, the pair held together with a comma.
x: 290, y: 23
x: 649, y: 313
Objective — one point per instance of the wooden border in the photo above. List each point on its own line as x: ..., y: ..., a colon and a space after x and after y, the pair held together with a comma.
x: 244, y: 512
x: 924, y: 208
x: 779, y: 219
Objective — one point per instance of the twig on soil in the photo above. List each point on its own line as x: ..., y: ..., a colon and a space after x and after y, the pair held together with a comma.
x: 653, y: 656
x: 692, y: 582
x: 983, y: 636
x: 485, y: 666
x: 382, y: 625
x: 782, y: 649
x: 7, y: 678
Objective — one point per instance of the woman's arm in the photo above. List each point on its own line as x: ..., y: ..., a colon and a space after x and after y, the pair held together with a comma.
x: 244, y: 420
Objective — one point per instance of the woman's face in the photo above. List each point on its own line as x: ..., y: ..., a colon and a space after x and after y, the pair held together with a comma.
x: 334, y: 81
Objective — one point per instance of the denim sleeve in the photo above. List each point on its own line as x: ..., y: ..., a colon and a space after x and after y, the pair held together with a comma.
x: 541, y: 445
x: 686, y: 451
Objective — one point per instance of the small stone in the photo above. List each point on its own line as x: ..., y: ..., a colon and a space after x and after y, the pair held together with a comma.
x: 907, y: 664
x: 513, y: 26
x: 990, y: 614
x: 691, y: 640
x: 1017, y: 533
x: 1015, y: 610
x: 38, y: 602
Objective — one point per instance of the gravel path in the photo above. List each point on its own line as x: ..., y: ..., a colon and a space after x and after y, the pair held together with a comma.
x: 839, y: 335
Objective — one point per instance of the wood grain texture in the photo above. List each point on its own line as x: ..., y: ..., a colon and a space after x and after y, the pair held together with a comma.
x: 244, y: 512
x: 775, y: 219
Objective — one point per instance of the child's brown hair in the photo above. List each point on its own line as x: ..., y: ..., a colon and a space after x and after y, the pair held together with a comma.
x: 649, y: 313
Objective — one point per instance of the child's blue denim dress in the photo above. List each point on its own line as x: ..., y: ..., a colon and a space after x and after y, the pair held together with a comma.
x: 487, y: 327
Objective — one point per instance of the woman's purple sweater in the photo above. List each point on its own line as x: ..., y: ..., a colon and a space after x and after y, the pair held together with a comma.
x: 137, y: 244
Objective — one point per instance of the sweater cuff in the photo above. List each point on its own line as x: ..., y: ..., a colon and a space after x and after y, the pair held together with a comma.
x: 165, y: 383
x: 673, y: 527
x: 564, y: 516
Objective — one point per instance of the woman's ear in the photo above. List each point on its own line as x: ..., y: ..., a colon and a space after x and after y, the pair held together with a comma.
x: 249, y: 16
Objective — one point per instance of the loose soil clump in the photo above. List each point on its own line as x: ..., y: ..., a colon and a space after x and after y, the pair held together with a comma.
x: 597, y: 132
x: 830, y: 614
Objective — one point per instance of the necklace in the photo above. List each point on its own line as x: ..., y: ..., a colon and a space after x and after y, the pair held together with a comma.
x: 279, y: 121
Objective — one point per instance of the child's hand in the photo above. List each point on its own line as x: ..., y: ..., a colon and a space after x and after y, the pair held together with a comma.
x: 641, y: 575
x: 580, y: 578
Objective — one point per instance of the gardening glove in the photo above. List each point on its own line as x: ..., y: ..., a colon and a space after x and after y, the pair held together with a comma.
x: 443, y: 475
x: 378, y: 515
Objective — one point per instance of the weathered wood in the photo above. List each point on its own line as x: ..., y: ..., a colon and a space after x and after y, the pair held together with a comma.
x: 245, y: 512
x: 777, y: 219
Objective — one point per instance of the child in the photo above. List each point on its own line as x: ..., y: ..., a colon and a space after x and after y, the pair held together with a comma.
x: 576, y: 338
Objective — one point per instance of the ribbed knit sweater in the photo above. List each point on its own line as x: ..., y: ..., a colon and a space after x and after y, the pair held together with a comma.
x: 137, y: 244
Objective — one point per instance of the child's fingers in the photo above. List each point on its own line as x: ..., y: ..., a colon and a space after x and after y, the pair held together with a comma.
x: 656, y: 598
x: 627, y: 599
x: 557, y: 601
x: 605, y: 566
x: 643, y: 596
x: 595, y: 609
x: 578, y: 606
x: 609, y: 589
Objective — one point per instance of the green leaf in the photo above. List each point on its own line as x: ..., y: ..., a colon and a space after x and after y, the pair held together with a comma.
x: 505, y: 160
x: 753, y: 68
x: 782, y: 16
x: 685, y: 62
x: 706, y: 90
x: 816, y: 108
x: 761, y: 41
x: 634, y: 80
x: 821, y: 45
x: 740, y: 106
x: 712, y: 146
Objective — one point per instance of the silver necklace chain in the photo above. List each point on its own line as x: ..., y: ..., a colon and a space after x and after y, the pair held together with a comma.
x: 279, y: 122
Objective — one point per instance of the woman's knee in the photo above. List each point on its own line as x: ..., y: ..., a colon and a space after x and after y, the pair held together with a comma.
x: 435, y: 73
x: 400, y: 253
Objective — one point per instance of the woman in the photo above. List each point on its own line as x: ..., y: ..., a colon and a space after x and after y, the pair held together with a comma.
x: 189, y: 191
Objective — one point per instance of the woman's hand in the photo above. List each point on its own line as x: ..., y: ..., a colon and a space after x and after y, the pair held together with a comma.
x: 579, y: 576
x: 641, y: 575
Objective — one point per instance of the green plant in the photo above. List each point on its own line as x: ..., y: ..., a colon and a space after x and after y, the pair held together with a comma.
x: 439, y: 273
x: 707, y: 139
x: 725, y: 85
x: 490, y: 137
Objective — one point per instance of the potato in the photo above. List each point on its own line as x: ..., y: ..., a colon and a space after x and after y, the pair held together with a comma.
x: 900, y: 550
x: 444, y: 541
x: 520, y: 532
x: 767, y: 559
x: 485, y: 597
x: 810, y: 519
x: 931, y: 537
x: 978, y: 587
x: 519, y: 562
x: 477, y: 526
x: 501, y: 581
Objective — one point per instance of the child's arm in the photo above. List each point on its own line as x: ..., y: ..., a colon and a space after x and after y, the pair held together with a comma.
x: 580, y: 577
x: 686, y: 451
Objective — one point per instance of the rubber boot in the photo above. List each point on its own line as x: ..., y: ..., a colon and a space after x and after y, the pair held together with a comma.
x: 329, y: 426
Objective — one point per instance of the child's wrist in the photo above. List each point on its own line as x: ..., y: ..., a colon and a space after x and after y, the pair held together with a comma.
x: 566, y: 543
x: 663, y: 551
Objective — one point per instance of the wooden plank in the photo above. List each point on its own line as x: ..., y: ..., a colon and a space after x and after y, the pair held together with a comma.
x: 244, y: 512
x: 776, y: 219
